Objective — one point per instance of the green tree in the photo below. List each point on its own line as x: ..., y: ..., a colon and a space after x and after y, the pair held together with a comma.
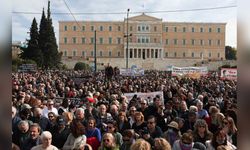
x: 32, y: 51
x: 47, y: 42
x: 230, y: 53
x: 81, y: 66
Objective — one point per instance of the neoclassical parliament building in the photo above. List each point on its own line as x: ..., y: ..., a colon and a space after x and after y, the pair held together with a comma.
x: 152, y: 42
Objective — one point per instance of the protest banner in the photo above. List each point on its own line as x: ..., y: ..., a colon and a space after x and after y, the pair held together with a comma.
x: 27, y: 68
x: 132, y: 72
x: 229, y: 73
x: 147, y: 96
x: 192, y: 72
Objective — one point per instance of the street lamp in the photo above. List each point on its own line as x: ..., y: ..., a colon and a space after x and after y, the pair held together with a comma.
x: 127, y: 41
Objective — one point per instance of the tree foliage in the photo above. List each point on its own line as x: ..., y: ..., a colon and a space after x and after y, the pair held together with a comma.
x: 230, y: 53
x: 42, y: 46
x: 81, y: 66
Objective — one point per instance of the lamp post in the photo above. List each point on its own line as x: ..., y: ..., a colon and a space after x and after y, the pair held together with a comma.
x: 127, y: 42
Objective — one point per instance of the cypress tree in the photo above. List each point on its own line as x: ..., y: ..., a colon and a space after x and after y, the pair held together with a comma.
x: 42, y: 36
x: 33, y: 51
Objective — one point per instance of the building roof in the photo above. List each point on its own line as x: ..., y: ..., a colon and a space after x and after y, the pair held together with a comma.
x: 144, y: 17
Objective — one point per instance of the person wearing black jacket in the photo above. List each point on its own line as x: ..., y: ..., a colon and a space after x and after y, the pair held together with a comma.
x: 60, y: 132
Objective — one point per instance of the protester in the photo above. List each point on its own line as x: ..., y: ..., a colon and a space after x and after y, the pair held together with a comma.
x: 46, y: 139
x: 108, y: 142
x: 140, y: 144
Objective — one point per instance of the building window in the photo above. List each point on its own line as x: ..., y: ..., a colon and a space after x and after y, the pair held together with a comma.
x: 131, y: 28
x: 65, y: 53
x: 210, y: 42
x: 101, y: 28
x: 110, y: 40
x: 175, y: 54
x: 218, y: 55
x: 74, y: 40
x: 110, y: 53
x: 119, y: 54
x: 130, y: 40
x: 83, y: 28
x: 184, y: 42
x: 92, y: 40
x: 92, y: 53
x: 175, y: 29
x: 143, y: 28
x: 166, y: 41
x: 193, y: 41
x: 201, y: 54
x: 147, y: 28
x: 118, y: 40
x: 83, y: 40
x: 218, y: 30
x: 100, y: 53
x: 155, y: 28
x: 193, y: 29
x: 184, y: 54
x: 184, y: 29
x: 166, y: 29
x: 218, y: 42
x: 119, y: 28
x: 74, y: 53
x: 209, y: 55
x: 155, y: 40
x: 92, y: 28
x: 166, y: 54
x: 201, y: 42
x: 139, y: 40
x: 139, y: 28
x: 65, y: 28
x: 192, y: 54
x: 74, y: 28
x: 147, y: 40
x: 101, y: 40
x: 65, y: 40
x: 175, y: 41
x: 135, y: 53
x: 201, y: 29
x: 83, y: 53
x: 210, y: 30
x: 156, y: 53
x: 110, y: 28
x: 143, y: 40
x: 130, y: 53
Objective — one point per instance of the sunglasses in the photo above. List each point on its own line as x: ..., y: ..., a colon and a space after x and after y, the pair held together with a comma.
x: 51, y: 116
x: 151, y: 122
x: 106, y: 140
x: 143, y: 103
x: 225, y: 122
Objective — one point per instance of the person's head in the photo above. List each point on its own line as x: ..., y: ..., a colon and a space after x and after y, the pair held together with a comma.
x: 132, y: 110
x: 173, y: 126
x: 79, y: 114
x: 23, y: 126
x: 128, y: 136
x: 52, y: 116
x: 200, y: 126
x: 13, y: 111
x: 213, y: 110
x: 183, y: 106
x: 229, y: 125
x: 139, y: 117
x: 77, y: 128
x: 50, y: 104
x: 108, y: 141
x: 151, y: 122
x: 65, y: 103
x: 37, y: 112
x: 219, y: 138
x: 199, y: 105
x: 186, y: 140
x: 211, y: 101
x: 34, y: 130
x: 161, y: 144
x: 200, y: 97
x: 140, y: 144
x: 46, y: 138
x: 123, y: 106
x: 91, y: 123
x: 192, y: 116
x: 144, y: 104
x: 68, y: 117
x: 111, y: 126
x: 190, y: 96
x: 102, y: 109
x: 193, y: 108
x: 122, y: 116
x: 60, y: 121
x: 114, y: 109
x: 80, y: 143
x: 157, y: 101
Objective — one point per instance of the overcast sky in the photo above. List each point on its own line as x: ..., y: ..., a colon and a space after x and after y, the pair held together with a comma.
x: 22, y: 22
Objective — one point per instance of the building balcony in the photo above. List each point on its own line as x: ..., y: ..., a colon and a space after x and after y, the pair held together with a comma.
x: 145, y: 45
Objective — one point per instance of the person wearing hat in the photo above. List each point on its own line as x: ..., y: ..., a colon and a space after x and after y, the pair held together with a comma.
x: 173, y: 133
x: 60, y: 132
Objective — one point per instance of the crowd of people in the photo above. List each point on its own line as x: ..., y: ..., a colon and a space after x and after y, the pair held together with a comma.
x: 77, y: 110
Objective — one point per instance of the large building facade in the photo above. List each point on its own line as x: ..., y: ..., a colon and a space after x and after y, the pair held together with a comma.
x: 150, y: 40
